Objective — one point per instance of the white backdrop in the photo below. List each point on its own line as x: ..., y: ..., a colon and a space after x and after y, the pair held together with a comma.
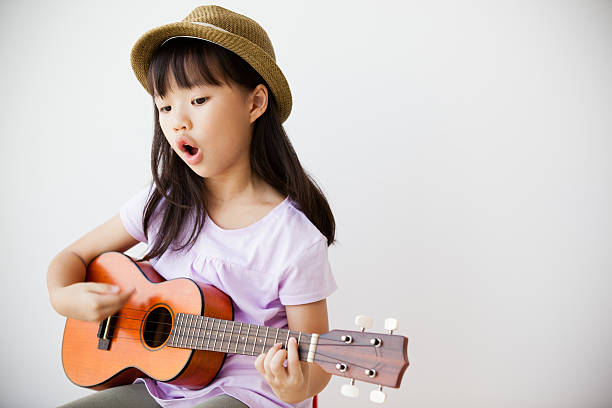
x: 463, y: 146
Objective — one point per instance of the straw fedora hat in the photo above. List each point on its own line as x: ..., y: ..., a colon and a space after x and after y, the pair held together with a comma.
x: 231, y: 30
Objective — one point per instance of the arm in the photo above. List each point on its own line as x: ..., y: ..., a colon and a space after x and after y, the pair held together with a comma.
x: 300, y: 380
x: 69, y: 295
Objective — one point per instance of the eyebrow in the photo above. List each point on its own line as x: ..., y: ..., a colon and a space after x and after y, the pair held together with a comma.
x: 208, y: 87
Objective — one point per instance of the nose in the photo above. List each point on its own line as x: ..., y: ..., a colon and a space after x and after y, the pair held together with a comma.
x: 181, y: 121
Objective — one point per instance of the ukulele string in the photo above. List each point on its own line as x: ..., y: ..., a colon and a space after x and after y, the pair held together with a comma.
x: 230, y: 337
x: 301, y: 352
x: 232, y: 332
x: 220, y: 331
x: 191, y: 337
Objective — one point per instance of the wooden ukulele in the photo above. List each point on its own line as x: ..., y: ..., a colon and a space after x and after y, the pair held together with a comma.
x: 179, y: 331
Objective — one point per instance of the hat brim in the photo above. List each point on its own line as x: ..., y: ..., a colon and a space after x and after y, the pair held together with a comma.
x: 262, y: 62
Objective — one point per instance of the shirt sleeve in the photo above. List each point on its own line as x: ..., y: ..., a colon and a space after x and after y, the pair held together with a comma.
x: 131, y: 213
x: 309, y: 278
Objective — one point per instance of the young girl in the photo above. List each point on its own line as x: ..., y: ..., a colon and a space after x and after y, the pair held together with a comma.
x: 229, y: 205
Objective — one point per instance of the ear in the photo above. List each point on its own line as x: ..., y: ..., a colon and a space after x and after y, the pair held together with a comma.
x: 258, y: 102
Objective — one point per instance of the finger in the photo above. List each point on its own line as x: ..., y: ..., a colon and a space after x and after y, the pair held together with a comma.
x: 109, y: 305
x: 276, y: 364
x: 113, y: 301
x: 102, y: 287
x: 125, y: 295
x: 268, y: 359
x: 259, y: 363
x: 293, y: 360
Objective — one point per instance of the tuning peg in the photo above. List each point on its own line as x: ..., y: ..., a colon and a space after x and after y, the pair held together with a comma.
x: 391, y: 324
x: 365, y: 322
x: 378, y: 395
x: 350, y: 390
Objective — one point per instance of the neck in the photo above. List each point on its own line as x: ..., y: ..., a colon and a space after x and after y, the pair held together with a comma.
x: 242, y: 184
x: 227, y: 336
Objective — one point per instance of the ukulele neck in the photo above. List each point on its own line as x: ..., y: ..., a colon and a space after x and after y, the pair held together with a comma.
x: 228, y: 336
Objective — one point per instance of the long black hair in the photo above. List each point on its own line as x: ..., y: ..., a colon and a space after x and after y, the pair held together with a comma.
x: 195, y: 62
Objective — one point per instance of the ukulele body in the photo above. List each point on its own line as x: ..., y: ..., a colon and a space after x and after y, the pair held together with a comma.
x: 98, y: 357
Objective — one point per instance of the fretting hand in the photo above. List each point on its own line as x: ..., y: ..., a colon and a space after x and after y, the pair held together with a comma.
x: 286, y: 382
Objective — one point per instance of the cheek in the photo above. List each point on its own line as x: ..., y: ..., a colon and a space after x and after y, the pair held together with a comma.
x: 164, y: 128
x: 169, y: 142
x: 167, y: 131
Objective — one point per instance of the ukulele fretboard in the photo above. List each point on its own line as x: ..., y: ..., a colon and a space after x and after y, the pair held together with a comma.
x: 228, y: 336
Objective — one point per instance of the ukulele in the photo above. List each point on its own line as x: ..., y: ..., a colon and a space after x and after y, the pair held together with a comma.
x: 179, y: 331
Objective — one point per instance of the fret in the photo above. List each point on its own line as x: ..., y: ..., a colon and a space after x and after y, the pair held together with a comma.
x: 238, y: 340
x: 276, y: 337
x: 247, y: 339
x: 189, y: 335
x: 216, y: 333
x: 255, y: 341
x: 222, y: 335
x: 202, y: 332
x: 221, y: 332
x: 208, y: 341
x: 185, y: 330
x: 181, y: 330
x: 186, y: 336
x: 225, y: 331
x: 179, y: 326
x: 205, y: 320
x: 266, y: 340
x: 196, y: 331
x: 231, y: 336
x: 298, y: 342
x: 287, y: 341
x: 194, y: 336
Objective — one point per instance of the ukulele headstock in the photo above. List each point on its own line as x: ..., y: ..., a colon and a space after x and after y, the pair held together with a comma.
x: 375, y: 358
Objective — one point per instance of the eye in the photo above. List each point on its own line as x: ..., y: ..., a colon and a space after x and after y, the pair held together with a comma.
x: 202, y: 100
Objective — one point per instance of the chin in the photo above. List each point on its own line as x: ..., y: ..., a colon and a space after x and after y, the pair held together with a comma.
x: 200, y: 172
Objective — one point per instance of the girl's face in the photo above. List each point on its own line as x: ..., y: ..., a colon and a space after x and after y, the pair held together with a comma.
x: 210, y: 127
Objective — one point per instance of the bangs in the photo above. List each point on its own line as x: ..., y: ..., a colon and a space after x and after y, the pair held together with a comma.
x: 191, y: 62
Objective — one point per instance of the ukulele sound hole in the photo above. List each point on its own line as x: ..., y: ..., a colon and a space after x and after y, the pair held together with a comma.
x: 157, y: 327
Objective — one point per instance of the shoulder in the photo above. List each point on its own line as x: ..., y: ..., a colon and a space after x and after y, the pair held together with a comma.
x: 293, y: 234
x: 301, y: 225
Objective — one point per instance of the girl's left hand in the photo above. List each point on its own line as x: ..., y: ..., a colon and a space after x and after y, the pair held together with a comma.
x: 287, y: 383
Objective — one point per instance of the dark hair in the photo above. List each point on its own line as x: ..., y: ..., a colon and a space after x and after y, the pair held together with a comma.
x: 195, y: 62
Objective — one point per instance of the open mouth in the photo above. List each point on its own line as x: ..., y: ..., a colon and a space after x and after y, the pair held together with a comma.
x: 189, y: 149
x: 190, y: 152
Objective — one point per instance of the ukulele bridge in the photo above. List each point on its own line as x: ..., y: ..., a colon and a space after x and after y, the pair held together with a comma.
x: 105, y: 333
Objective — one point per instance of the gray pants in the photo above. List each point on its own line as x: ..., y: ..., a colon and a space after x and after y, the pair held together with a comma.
x: 137, y: 396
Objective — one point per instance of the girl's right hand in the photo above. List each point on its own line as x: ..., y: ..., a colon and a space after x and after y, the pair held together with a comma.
x: 90, y: 301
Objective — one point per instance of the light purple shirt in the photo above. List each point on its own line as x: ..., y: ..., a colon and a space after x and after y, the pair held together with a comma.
x: 279, y: 260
